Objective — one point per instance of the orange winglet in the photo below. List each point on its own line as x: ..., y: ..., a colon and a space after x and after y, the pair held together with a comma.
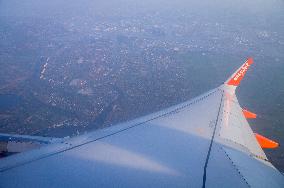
x: 265, y: 142
x: 238, y: 76
x: 248, y: 114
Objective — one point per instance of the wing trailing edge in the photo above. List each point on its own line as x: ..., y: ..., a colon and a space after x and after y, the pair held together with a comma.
x: 232, y: 83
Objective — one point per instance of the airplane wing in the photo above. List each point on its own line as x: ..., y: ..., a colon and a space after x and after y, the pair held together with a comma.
x: 204, y: 142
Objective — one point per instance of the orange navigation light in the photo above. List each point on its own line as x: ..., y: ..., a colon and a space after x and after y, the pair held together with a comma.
x: 248, y: 114
x: 265, y: 142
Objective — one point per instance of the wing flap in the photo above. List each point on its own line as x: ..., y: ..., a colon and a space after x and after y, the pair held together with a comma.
x: 235, y: 128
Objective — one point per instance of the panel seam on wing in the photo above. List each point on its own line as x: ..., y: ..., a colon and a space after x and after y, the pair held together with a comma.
x: 236, y: 167
x: 211, y: 142
x: 245, y: 148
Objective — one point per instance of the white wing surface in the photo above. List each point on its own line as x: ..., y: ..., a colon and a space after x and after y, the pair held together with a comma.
x: 205, y: 142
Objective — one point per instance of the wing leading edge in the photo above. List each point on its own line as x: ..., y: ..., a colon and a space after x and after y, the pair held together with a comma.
x: 205, y: 142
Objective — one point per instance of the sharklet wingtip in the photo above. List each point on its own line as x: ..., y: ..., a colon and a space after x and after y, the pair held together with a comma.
x: 236, y: 78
